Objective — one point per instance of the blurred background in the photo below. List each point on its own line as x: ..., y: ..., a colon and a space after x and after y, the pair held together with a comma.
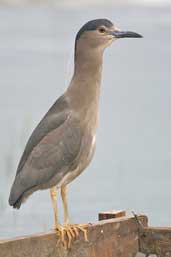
x: 132, y: 164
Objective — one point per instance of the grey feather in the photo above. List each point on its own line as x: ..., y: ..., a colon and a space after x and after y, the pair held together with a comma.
x: 56, y: 116
x: 51, y: 149
x: 93, y: 25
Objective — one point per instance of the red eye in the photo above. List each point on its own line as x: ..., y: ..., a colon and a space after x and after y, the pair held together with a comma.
x: 102, y: 30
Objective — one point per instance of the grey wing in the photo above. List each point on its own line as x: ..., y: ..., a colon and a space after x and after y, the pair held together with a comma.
x: 54, y: 118
x: 51, y: 157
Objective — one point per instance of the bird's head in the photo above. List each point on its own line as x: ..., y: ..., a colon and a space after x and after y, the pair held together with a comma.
x: 100, y: 33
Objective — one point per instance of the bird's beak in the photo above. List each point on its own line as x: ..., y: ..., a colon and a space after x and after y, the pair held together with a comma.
x: 122, y: 34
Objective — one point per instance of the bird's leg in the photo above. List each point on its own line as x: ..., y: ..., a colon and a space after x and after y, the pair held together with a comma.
x: 64, y: 201
x: 72, y: 230
x: 53, y: 194
x: 58, y: 227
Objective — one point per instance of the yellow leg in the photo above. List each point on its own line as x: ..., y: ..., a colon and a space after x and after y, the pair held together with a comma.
x: 72, y: 231
x: 53, y: 194
x: 67, y: 232
x: 64, y: 201
x: 60, y: 230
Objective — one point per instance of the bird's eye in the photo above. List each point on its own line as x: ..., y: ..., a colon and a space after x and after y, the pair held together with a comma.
x: 102, y: 30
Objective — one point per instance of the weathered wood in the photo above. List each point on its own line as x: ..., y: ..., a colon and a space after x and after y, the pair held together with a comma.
x: 156, y: 241
x: 110, y: 238
x: 111, y: 215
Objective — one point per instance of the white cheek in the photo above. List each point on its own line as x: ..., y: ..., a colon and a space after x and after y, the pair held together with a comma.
x: 110, y: 40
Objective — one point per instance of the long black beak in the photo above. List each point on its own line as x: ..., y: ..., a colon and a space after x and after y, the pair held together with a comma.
x: 122, y: 34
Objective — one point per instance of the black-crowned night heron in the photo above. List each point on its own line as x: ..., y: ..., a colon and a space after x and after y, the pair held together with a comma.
x: 63, y: 143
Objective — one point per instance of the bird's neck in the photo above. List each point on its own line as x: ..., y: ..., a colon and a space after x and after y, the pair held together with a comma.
x: 84, y: 89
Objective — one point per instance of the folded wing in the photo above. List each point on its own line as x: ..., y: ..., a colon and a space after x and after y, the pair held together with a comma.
x: 50, y: 153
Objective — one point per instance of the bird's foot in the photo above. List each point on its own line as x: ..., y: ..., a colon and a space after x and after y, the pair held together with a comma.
x: 68, y: 232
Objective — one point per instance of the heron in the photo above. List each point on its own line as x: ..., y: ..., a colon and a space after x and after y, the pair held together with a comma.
x: 62, y: 145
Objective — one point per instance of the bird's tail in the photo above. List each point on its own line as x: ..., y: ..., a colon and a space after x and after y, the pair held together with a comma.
x: 16, y: 204
x: 16, y: 194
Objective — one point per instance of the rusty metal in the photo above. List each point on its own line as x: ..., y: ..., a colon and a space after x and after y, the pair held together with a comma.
x: 109, y: 238
x: 156, y: 241
x: 126, y: 236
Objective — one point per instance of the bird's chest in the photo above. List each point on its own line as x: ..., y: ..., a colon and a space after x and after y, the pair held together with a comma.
x: 88, y: 143
x: 86, y: 154
x: 87, y: 151
x: 82, y: 161
x: 88, y: 125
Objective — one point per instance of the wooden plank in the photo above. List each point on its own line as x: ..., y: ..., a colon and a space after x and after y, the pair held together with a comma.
x: 156, y: 241
x: 111, y: 214
x: 110, y: 238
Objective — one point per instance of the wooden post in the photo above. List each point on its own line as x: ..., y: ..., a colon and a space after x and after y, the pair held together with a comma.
x: 111, y: 215
x: 116, y: 237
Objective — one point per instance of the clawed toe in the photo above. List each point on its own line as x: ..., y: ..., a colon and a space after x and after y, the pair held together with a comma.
x: 67, y: 233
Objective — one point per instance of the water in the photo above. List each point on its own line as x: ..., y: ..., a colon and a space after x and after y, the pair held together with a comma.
x: 131, y: 167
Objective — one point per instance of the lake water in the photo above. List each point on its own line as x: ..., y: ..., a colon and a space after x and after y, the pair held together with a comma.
x: 132, y: 166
